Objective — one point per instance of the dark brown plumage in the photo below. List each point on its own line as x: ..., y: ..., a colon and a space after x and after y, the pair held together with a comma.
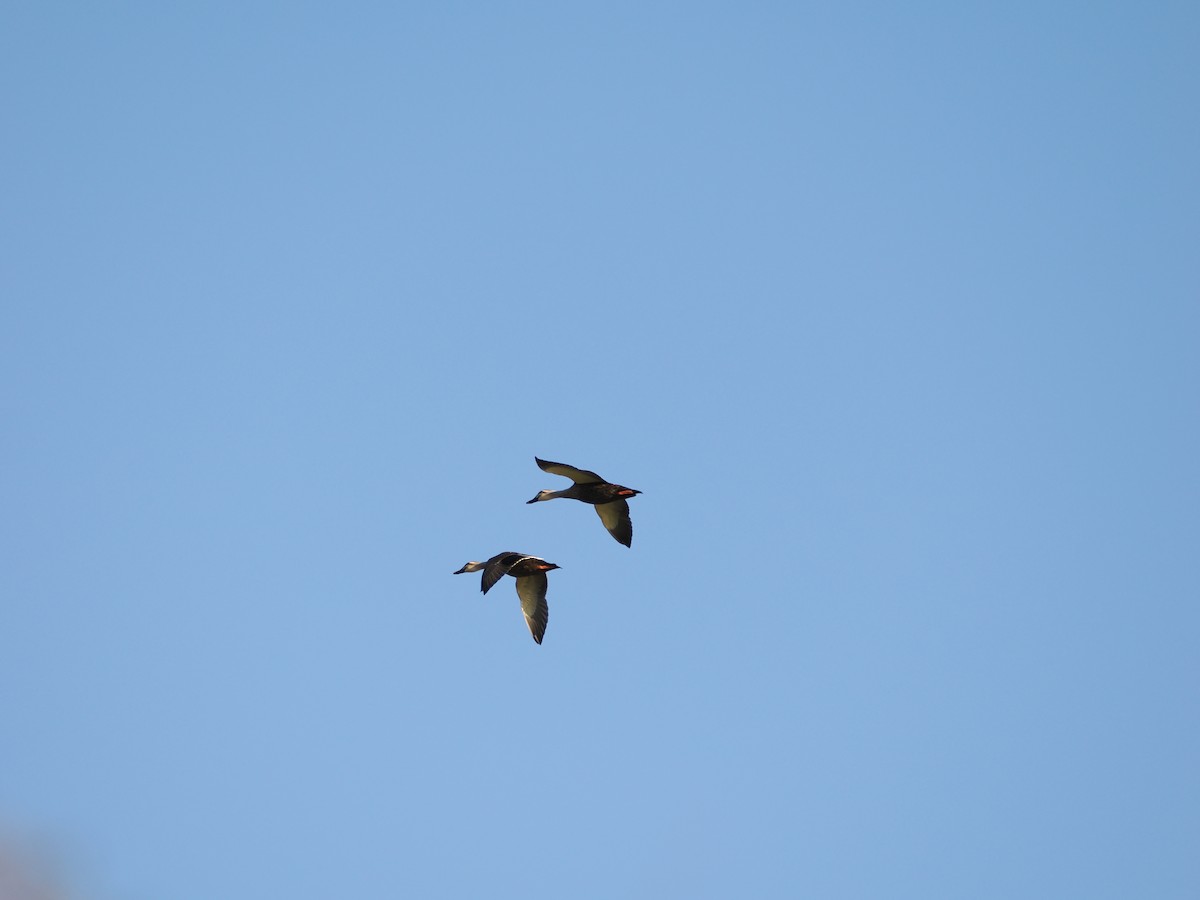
x: 608, y: 498
x: 530, y: 572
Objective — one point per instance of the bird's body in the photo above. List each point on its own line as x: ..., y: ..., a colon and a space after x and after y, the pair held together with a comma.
x: 530, y: 572
x: 608, y: 498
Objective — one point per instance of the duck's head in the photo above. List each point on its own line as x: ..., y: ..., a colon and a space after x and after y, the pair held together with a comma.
x: 472, y: 566
x: 627, y: 492
x: 546, y: 567
x: 541, y: 495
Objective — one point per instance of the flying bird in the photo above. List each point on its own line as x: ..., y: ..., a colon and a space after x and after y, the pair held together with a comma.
x: 608, y: 498
x: 530, y: 572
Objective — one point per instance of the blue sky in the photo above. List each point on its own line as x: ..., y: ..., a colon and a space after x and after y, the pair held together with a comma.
x: 890, y: 311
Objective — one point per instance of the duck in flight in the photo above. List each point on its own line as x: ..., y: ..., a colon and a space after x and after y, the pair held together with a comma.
x: 530, y: 572
x: 609, y: 499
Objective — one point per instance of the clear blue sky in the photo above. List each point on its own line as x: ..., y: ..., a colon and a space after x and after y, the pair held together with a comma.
x: 892, y: 311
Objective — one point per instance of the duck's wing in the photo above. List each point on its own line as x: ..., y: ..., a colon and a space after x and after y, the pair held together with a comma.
x: 532, y: 591
x: 497, y: 567
x: 615, y: 516
x: 579, y: 476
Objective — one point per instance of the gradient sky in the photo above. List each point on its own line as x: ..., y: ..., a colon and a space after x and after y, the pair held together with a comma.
x: 892, y: 311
